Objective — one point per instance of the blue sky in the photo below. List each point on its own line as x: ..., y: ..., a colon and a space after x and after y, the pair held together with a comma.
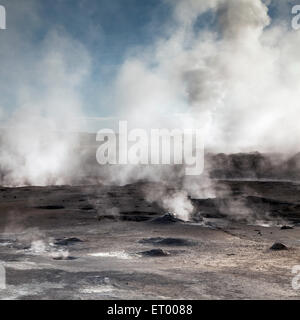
x: 109, y: 30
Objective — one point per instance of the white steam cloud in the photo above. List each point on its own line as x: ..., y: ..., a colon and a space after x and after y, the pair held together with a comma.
x: 37, y: 147
x: 238, y: 81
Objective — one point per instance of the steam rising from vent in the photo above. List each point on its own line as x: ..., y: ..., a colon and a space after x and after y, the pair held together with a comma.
x: 38, y: 142
x: 176, y: 202
x: 238, y: 81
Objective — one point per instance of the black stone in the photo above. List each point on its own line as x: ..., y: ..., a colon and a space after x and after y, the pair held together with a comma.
x: 67, y: 241
x: 87, y: 208
x: 154, y: 253
x: 166, y: 219
x: 63, y: 258
x: 168, y: 241
x: 286, y: 228
x: 278, y: 246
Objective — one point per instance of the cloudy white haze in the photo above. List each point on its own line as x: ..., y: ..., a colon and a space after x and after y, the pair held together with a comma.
x: 238, y: 81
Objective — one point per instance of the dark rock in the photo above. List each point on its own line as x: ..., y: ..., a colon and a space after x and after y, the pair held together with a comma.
x: 137, y: 212
x: 278, y: 246
x: 87, y: 208
x: 67, y: 241
x: 166, y: 219
x: 135, y: 218
x: 286, y: 228
x: 154, y: 253
x: 168, y: 241
x: 59, y: 258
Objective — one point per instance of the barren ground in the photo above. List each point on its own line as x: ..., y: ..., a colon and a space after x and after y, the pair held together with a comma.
x: 218, y: 258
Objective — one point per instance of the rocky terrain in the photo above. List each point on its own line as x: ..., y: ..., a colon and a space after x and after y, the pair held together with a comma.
x: 108, y: 242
